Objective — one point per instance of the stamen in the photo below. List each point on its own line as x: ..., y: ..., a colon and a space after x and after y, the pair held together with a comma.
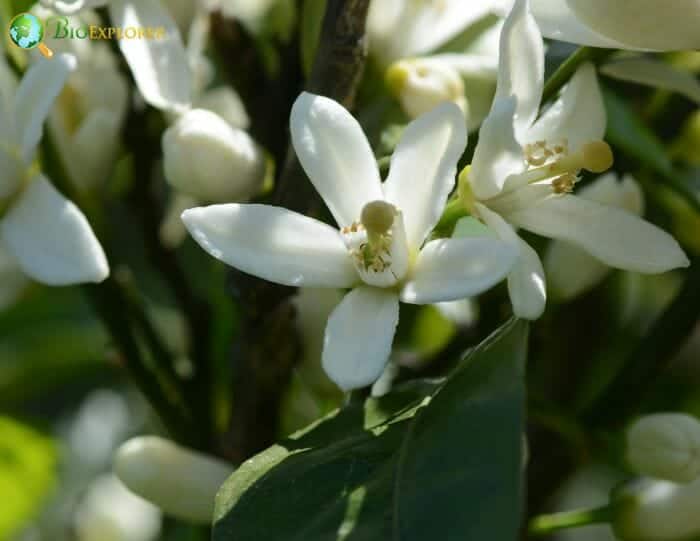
x: 564, y: 183
x: 595, y: 156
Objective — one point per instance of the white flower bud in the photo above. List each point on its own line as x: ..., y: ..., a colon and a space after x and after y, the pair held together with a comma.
x: 181, y: 482
x: 420, y: 84
x: 108, y: 511
x: 665, y: 446
x: 652, y: 510
x: 206, y: 158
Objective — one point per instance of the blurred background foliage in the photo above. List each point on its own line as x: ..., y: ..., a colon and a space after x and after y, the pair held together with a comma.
x: 66, y: 401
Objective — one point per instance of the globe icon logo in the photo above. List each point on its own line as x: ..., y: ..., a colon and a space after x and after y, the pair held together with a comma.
x: 26, y: 31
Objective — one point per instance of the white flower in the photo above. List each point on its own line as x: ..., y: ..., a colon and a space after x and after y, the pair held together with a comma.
x: 181, y: 482
x: 206, y: 158
x: 571, y: 270
x: 46, y: 234
x: 108, y: 511
x: 653, y: 510
x: 86, y: 120
x: 665, y: 446
x: 159, y: 66
x: 524, y: 170
x: 379, y: 250
x: 621, y: 24
x: 407, y: 28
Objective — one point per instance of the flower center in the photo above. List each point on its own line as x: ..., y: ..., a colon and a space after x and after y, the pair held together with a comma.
x: 552, y: 170
x: 556, y: 163
x: 377, y: 244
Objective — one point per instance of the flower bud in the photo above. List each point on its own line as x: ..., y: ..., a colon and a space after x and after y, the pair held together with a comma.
x: 206, y: 158
x: 665, y: 446
x: 653, y: 510
x: 108, y: 511
x: 420, y: 84
x: 181, y: 482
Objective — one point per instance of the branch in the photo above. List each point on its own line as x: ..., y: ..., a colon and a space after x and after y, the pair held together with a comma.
x: 268, y: 347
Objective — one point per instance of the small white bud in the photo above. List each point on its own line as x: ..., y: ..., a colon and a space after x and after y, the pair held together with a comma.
x: 653, y: 510
x: 181, y: 482
x: 665, y: 446
x: 206, y: 158
x: 421, y: 84
x: 109, y: 512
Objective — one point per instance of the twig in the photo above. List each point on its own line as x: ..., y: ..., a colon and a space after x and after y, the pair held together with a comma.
x: 268, y: 346
x: 564, y: 72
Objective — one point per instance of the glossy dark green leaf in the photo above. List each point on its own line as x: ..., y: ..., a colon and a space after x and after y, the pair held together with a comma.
x: 368, y: 472
x: 459, y: 472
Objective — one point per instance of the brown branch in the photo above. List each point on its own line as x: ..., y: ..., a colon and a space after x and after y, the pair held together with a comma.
x: 268, y: 346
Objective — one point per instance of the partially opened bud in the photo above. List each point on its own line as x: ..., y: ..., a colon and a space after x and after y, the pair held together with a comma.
x: 652, y: 510
x: 421, y: 84
x: 665, y: 446
x: 206, y: 158
x: 181, y: 482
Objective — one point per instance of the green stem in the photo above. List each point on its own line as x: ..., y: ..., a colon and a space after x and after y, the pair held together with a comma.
x: 453, y: 212
x: 566, y: 70
x: 546, y: 524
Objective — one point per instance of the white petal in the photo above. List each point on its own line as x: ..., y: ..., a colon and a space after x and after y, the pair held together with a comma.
x: 625, y: 194
x: 51, y: 238
x: 401, y: 29
x: 498, y: 154
x: 557, y: 21
x: 648, y: 24
x: 451, y: 269
x: 40, y: 85
x: 526, y: 285
x: 159, y: 66
x: 225, y: 102
x: 577, y: 116
x: 571, y: 270
x: 656, y: 74
x: 273, y: 243
x: 358, y: 336
x: 521, y: 65
x: 336, y: 156
x: 70, y: 7
x: 614, y: 236
x: 423, y: 169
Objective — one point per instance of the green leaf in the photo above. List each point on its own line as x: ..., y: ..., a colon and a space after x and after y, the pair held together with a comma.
x: 626, y: 131
x: 312, y: 12
x: 27, y: 474
x: 459, y: 473
x: 415, y: 464
x: 305, y: 484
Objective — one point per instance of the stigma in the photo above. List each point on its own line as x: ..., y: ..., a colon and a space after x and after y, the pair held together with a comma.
x: 377, y: 244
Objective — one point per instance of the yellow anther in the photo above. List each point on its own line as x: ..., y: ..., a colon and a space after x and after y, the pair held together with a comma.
x: 378, y: 217
x: 597, y: 156
x: 564, y: 183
